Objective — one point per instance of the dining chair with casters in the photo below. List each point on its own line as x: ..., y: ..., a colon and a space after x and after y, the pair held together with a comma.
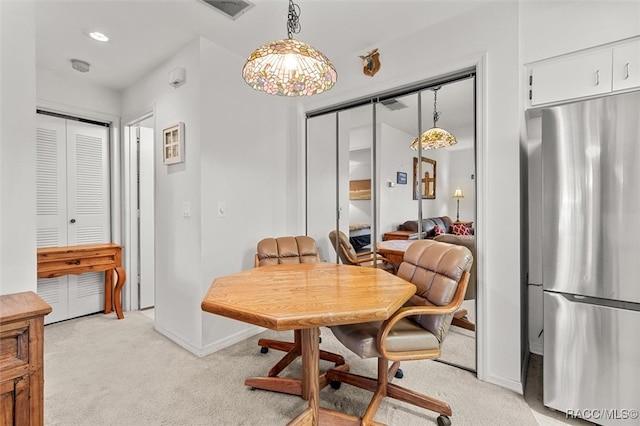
x: 348, y: 255
x: 461, y: 318
x: 288, y: 250
x: 440, y: 272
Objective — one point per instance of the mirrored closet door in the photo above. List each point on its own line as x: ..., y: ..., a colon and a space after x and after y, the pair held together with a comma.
x: 369, y: 181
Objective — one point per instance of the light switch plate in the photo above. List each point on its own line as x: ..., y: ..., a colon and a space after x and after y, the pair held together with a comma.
x: 186, y: 209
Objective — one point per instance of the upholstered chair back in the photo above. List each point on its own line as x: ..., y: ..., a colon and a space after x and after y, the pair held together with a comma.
x: 469, y: 241
x: 435, y: 268
x: 345, y: 250
x: 287, y: 250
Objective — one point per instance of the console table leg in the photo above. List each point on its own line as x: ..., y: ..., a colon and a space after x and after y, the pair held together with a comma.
x: 108, y: 291
x: 117, y: 296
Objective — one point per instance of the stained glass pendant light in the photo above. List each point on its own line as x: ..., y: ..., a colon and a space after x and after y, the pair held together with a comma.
x: 435, y: 137
x: 289, y: 67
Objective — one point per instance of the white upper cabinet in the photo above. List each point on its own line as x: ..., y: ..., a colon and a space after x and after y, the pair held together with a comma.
x: 569, y: 78
x: 593, y: 72
x: 626, y: 66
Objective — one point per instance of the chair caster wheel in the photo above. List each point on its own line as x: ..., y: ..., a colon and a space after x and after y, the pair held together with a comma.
x: 335, y: 384
x: 444, y: 420
x: 264, y: 350
x: 399, y: 374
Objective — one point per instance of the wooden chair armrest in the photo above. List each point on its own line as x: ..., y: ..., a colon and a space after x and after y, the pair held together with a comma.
x: 378, y: 259
x: 360, y: 261
x: 367, y: 257
x: 408, y: 311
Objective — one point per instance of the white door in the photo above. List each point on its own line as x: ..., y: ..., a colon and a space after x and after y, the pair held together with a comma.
x: 73, y: 208
x: 51, y: 205
x: 146, y: 218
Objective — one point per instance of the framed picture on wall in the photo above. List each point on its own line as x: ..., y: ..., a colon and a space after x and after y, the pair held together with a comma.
x: 360, y: 189
x: 173, y: 144
x: 401, y: 178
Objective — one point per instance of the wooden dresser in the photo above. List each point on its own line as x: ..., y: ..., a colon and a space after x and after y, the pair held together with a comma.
x: 107, y: 257
x: 22, y: 359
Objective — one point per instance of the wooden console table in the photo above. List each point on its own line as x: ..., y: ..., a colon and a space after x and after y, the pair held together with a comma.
x: 58, y: 261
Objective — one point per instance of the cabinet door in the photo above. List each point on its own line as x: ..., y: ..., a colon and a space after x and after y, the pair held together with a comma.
x: 7, y: 394
x: 626, y: 66
x: 570, y: 78
x: 14, y: 402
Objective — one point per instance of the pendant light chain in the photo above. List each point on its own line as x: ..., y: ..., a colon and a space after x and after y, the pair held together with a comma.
x: 293, y: 19
x: 436, y: 114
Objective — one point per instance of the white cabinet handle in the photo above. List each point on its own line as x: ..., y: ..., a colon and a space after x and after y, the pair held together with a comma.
x: 597, y: 77
x: 626, y: 71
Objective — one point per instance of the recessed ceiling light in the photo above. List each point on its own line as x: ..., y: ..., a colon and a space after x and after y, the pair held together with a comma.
x: 98, y: 36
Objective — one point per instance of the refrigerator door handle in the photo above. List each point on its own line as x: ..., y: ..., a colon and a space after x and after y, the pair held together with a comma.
x: 588, y: 300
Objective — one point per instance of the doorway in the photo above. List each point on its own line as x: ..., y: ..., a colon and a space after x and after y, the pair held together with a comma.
x: 139, y: 211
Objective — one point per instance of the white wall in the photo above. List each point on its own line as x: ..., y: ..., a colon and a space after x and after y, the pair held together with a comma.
x: 322, y: 177
x: 459, y: 171
x: 550, y: 28
x: 17, y: 148
x: 75, y: 97
x: 178, y: 291
x: 245, y: 164
x: 568, y: 26
x: 396, y: 203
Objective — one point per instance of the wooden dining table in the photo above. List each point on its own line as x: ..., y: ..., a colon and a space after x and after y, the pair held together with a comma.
x: 306, y: 297
x: 394, y: 249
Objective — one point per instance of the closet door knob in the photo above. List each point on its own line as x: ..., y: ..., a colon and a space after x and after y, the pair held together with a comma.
x: 72, y: 221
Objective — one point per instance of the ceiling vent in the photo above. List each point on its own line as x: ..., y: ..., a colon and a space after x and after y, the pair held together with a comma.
x: 393, y: 104
x: 230, y: 8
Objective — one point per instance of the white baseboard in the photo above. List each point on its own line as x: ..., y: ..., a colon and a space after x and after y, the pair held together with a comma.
x: 506, y: 383
x: 230, y: 340
x: 214, y: 346
x: 177, y: 339
x: 536, y: 347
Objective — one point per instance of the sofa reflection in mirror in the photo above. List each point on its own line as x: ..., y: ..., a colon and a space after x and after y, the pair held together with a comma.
x: 431, y: 227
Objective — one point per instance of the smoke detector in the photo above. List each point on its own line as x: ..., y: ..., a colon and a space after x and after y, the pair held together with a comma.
x: 79, y: 65
x: 232, y: 9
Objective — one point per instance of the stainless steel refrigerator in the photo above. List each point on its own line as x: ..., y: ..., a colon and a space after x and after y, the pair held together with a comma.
x: 591, y: 258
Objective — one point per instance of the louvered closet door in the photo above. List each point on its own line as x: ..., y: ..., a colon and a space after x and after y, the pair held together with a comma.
x: 87, y: 203
x: 51, y: 205
x: 81, y: 213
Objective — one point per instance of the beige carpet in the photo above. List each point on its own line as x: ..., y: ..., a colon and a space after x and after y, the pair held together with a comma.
x: 101, y: 371
x: 460, y: 345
